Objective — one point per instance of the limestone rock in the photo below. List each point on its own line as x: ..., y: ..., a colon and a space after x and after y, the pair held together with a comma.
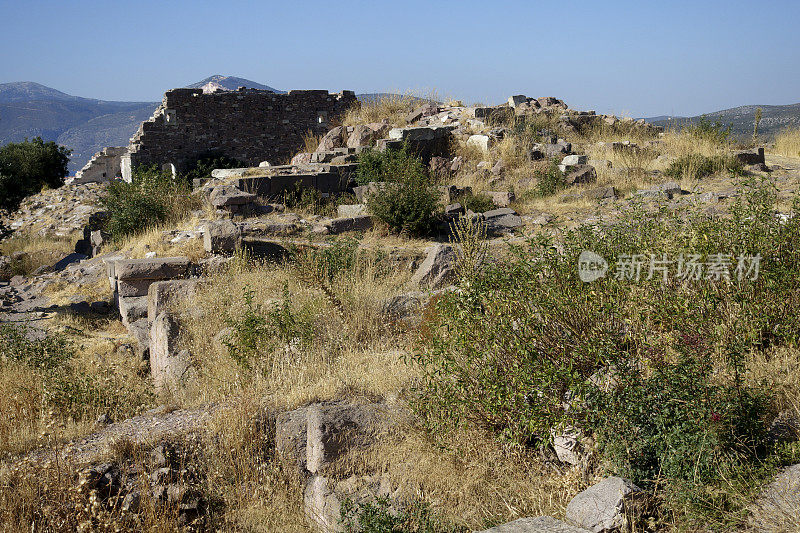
x: 438, y: 268
x: 580, y: 174
x: 778, y: 506
x: 331, y: 140
x: 228, y: 195
x: 221, y: 236
x: 501, y: 220
x: 601, y: 507
x: 360, y: 136
x: 162, y: 294
x: 484, y: 142
x: 170, y: 368
x: 352, y: 210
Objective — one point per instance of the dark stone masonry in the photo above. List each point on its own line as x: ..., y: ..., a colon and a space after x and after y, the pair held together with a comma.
x: 249, y: 124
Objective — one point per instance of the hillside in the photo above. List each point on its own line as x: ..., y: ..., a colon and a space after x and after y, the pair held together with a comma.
x: 775, y: 118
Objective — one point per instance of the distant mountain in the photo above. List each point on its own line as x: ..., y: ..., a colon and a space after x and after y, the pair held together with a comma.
x: 774, y: 119
x: 229, y: 83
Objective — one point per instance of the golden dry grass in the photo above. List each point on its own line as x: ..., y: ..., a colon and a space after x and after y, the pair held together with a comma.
x: 787, y: 143
x: 37, y: 251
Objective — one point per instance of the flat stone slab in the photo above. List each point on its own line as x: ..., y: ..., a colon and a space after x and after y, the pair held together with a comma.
x: 154, y: 268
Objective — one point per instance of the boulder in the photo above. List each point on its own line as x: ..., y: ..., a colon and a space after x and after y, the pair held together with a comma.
x: 132, y: 309
x: 227, y: 195
x: 751, y: 157
x: 163, y: 294
x: 573, y: 160
x: 342, y: 225
x: 580, y: 174
x: 221, y: 236
x: 152, y: 269
x: 351, y: 210
x: 501, y: 220
x: 602, y: 507
x: 331, y: 140
x: 360, y: 136
x: 501, y: 198
x: 538, y: 524
x: 303, y: 158
x: 776, y: 508
x: 363, y: 192
x: 438, y: 268
x: 484, y: 142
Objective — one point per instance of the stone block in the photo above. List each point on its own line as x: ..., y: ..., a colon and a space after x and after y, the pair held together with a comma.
x: 501, y: 220
x: 169, y: 367
x: 501, y: 198
x: 351, y: 210
x: 133, y: 287
x: 161, y: 295
x: 437, y: 269
x: 484, y: 142
x: 221, y: 236
x: 132, y: 309
x: 153, y: 268
x: 342, y: 225
x: 601, y: 507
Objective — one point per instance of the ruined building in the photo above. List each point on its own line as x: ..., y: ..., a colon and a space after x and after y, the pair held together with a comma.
x: 249, y: 125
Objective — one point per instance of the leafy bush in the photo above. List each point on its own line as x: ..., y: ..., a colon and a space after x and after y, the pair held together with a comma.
x: 408, y: 202
x: 697, y: 166
x: 704, y: 129
x: 675, y: 422
x: 518, y: 348
x: 391, y: 165
x: 28, y: 166
x: 66, y: 389
x: 258, y: 332
x: 378, y: 517
x: 153, y: 197
x: 478, y: 203
x: 548, y: 181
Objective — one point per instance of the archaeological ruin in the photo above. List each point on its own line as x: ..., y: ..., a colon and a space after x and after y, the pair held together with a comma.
x: 249, y: 125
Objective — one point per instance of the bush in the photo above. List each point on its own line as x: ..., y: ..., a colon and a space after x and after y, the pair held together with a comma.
x: 705, y: 130
x: 478, y: 203
x: 379, y: 517
x: 518, y: 348
x: 258, y: 332
x: 28, y: 166
x: 153, y: 197
x: 392, y: 165
x: 548, y: 181
x: 697, y: 166
x: 408, y: 203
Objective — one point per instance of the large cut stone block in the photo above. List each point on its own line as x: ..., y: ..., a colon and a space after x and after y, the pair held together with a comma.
x: 154, y: 268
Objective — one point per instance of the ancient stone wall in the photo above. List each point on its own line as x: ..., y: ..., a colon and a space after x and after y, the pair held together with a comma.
x: 104, y: 166
x: 249, y: 125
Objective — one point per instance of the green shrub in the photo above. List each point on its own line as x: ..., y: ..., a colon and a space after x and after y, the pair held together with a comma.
x: 704, y: 129
x: 697, y: 166
x: 408, y: 202
x: 66, y: 389
x: 258, y: 332
x: 378, y: 517
x: 478, y: 203
x: 28, y: 166
x: 516, y: 349
x: 153, y: 197
x: 390, y: 165
x: 675, y: 422
x: 548, y: 181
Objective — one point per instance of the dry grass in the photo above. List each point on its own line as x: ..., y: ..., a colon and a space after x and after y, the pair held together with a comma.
x: 787, y: 143
x: 352, y: 349
x: 37, y: 251
x: 390, y: 107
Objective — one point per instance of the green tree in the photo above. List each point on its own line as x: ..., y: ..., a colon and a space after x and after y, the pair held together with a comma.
x: 28, y: 166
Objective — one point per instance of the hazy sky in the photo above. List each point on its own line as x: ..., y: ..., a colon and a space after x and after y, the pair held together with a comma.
x: 639, y: 58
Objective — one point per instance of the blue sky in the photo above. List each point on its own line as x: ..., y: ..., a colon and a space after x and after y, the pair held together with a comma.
x: 639, y: 58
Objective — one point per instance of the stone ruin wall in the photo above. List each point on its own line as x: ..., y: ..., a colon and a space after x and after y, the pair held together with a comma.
x: 249, y: 125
